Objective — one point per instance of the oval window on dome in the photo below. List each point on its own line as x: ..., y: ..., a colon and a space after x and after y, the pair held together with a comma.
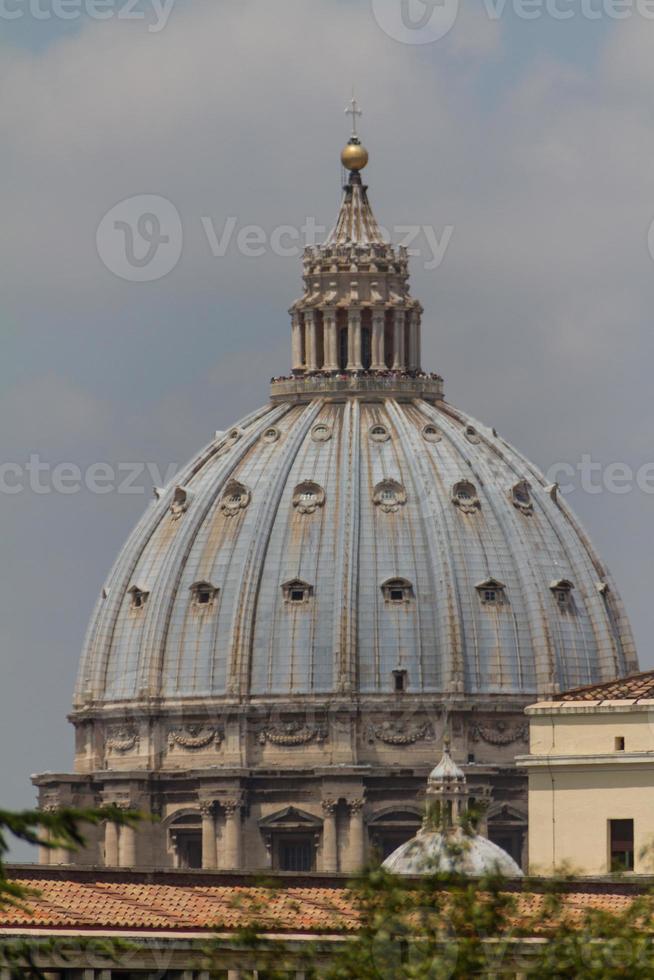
x: 465, y: 497
x: 321, y: 432
x: 431, y: 434
x: 389, y: 496
x: 472, y: 435
x: 272, y: 434
x: 307, y: 497
x: 379, y: 433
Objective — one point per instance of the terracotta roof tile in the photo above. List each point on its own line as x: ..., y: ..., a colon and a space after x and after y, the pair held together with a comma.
x: 66, y: 903
x: 624, y: 689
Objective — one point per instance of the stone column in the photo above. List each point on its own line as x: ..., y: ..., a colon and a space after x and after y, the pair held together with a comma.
x: 111, y: 844
x: 329, y: 340
x: 378, y: 322
x: 296, y: 342
x: 310, y: 327
x: 399, y: 359
x: 232, y: 834
x: 209, y: 852
x: 354, y: 340
x: 329, y: 843
x: 44, y: 852
x: 127, y: 847
x: 414, y: 341
x: 356, y: 852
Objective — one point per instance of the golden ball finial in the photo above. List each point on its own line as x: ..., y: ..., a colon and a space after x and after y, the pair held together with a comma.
x: 354, y: 155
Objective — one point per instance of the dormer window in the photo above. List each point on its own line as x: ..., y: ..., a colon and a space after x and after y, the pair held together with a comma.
x: 491, y: 592
x: 389, y: 496
x: 203, y: 594
x: 235, y: 498
x: 138, y: 597
x: 397, y: 590
x: 180, y: 502
x: 308, y: 496
x: 562, y: 592
x: 521, y: 497
x: 297, y: 592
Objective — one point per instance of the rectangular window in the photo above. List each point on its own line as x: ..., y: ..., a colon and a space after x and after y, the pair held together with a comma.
x: 295, y: 854
x: 619, y: 743
x: 621, y: 845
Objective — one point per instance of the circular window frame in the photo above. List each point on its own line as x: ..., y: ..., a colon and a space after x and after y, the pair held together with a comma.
x: 382, y: 436
x: 430, y: 433
x: 321, y: 432
x: 272, y: 434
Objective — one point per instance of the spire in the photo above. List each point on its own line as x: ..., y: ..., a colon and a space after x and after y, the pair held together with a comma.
x: 356, y: 224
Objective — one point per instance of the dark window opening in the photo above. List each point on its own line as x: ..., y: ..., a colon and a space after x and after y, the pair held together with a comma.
x: 366, y: 348
x: 396, y: 595
x: 619, y: 743
x: 297, y: 595
x: 188, y: 844
x: 509, y: 839
x: 295, y: 853
x: 342, y: 348
x: 139, y: 597
x: 204, y: 596
x: 399, y: 681
x: 621, y: 845
x: 471, y: 758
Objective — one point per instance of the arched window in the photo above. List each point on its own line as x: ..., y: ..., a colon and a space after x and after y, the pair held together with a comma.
x: 308, y: 496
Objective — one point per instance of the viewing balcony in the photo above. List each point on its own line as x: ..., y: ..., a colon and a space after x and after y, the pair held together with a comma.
x: 404, y: 387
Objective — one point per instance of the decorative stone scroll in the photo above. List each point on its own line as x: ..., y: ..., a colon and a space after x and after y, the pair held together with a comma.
x: 500, y: 733
x: 398, y: 733
x: 121, y: 739
x: 291, y: 733
x: 195, y: 737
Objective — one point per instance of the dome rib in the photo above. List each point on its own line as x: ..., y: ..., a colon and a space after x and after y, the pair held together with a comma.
x: 159, y: 609
x: 450, y: 640
x: 349, y: 639
x: 245, y: 612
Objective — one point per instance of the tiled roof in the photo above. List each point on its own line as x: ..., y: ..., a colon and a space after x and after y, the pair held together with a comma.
x: 624, y: 689
x: 83, y: 902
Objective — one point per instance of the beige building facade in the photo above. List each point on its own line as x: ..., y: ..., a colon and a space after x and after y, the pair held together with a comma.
x: 591, y: 779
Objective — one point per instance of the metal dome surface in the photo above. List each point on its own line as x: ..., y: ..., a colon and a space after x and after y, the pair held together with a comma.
x: 344, y: 497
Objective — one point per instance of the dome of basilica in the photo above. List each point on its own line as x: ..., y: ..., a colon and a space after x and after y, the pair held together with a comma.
x: 323, y: 589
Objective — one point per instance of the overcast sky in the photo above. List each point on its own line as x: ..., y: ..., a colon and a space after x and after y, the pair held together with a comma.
x: 528, y: 144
